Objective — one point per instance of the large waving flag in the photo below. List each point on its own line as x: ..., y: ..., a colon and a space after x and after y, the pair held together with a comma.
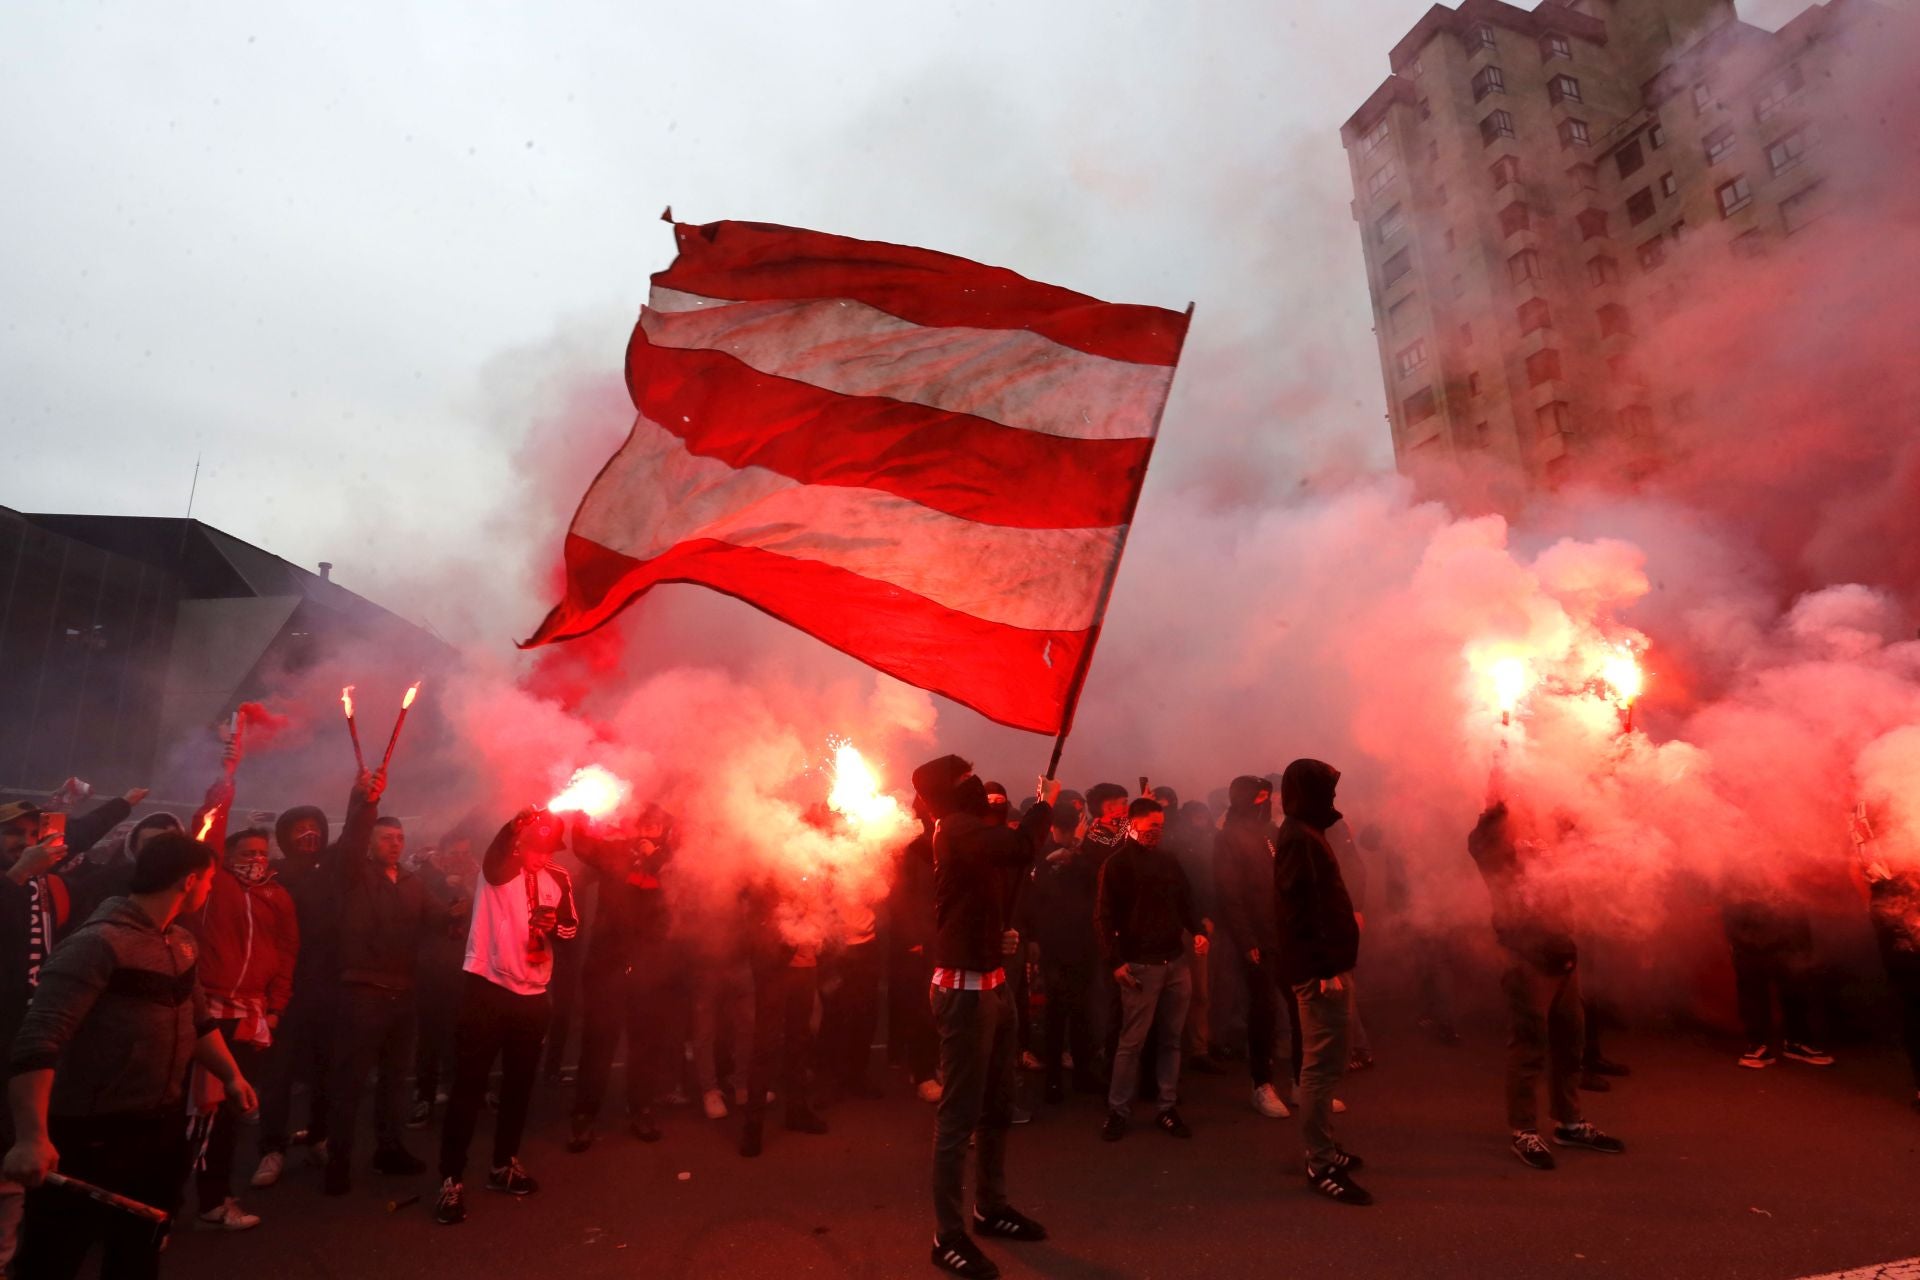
x: 927, y: 463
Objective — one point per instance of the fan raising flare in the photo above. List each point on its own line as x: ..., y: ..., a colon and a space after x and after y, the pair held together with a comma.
x: 593, y: 791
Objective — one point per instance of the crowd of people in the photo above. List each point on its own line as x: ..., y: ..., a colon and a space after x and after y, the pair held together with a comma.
x: 171, y: 987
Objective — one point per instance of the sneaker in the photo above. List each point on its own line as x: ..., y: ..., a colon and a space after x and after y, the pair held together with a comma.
x: 1593, y: 1083
x: 452, y: 1209
x: 960, y: 1255
x: 272, y: 1165
x: 1115, y: 1127
x: 1008, y: 1223
x: 1030, y: 1061
x: 929, y: 1090
x: 1345, y: 1160
x: 396, y: 1159
x: 1608, y: 1067
x: 1585, y: 1135
x: 1757, y: 1057
x: 714, y: 1103
x: 579, y: 1135
x: 644, y: 1127
x: 229, y: 1216
x: 1170, y: 1123
x: 1794, y: 1051
x: 1018, y: 1114
x: 1337, y: 1184
x: 1531, y: 1150
x: 418, y: 1117
x: 1266, y: 1100
x: 1359, y: 1061
x: 512, y: 1178
x: 1339, y: 1107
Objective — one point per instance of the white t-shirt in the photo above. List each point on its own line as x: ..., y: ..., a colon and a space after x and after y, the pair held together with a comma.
x: 502, y: 918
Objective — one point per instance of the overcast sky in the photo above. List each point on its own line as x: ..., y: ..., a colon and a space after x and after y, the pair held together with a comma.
x: 313, y: 243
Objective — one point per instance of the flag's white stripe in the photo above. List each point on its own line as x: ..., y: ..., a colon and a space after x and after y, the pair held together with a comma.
x: 655, y: 494
x: 1009, y: 376
x: 1904, y: 1269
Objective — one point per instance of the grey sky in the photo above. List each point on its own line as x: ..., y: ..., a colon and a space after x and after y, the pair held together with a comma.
x: 302, y: 240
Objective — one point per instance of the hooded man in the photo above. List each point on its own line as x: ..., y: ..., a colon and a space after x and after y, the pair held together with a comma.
x: 1056, y: 913
x: 1319, y: 942
x: 305, y: 1030
x: 977, y: 866
x: 1532, y: 920
x: 1144, y: 908
x: 1243, y: 878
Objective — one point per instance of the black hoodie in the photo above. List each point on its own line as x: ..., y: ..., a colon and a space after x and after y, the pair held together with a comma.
x: 977, y: 866
x: 1243, y: 867
x: 1319, y: 937
x: 1530, y: 915
x: 313, y: 905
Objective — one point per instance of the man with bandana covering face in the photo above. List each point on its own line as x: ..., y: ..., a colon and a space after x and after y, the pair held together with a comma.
x: 249, y: 939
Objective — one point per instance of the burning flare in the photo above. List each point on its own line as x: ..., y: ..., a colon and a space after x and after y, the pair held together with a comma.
x: 1511, y: 680
x: 407, y: 701
x: 1623, y: 675
x: 592, y: 790
x: 346, y: 700
x: 206, y: 824
x: 856, y: 794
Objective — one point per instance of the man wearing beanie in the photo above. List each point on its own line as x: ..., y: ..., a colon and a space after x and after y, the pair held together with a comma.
x: 976, y: 868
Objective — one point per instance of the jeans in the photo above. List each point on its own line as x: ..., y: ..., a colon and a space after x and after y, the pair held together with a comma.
x: 723, y: 996
x: 977, y: 1058
x: 214, y: 1182
x: 1547, y: 1023
x: 139, y: 1154
x: 373, y: 1026
x: 1159, y: 1004
x: 564, y: 990
x: 493, y: 1023
x: 1068, y: 1024
x: 1267, y: 998
x: 1324, y: 1020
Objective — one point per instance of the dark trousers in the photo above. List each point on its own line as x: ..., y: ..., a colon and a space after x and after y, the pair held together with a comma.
x: 373, y: 1028
x: 1158, y: 1003
x: 1546, y: 1025
x: 141, y: 1155
x: 1326, y: 1019
x: 630, y: 1000
x: 1266, y: 992
x: 783, y: 999
x: 1760, y: 972
x: 214, y: 1181
x: 850, y: 1015
x: 493, y: 1023
x: 977, y: 1059
x: 911, y: 1038
x: 303, y: 1056
x: 1068, y: 1024
x: 438, y: 998
x: 1903, y: 974
x: 564, y: 990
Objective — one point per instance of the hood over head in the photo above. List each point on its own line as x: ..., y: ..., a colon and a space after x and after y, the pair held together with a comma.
x: 1306, y: 793
x: 283, y: 827
x: 155, y: 822
x: 938, y: 785
x: 1240, y: 795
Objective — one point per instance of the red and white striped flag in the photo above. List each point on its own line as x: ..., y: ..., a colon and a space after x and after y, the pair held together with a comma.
x: 927, y: 463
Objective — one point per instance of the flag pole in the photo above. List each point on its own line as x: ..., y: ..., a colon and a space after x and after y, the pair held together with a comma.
x: 1113, y: 570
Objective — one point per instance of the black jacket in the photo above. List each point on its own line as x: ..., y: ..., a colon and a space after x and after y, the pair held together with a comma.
x: 1145, y: 904
x: 977, y: 868
x: 379, y: 923
x: 1319, y: 938
x: 632, y: 907
x: 1057, y: 909
x: 1531, y: 917
x: 1243, y: 868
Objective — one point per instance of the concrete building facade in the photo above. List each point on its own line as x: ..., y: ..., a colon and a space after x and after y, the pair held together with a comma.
x: 1524, y: 181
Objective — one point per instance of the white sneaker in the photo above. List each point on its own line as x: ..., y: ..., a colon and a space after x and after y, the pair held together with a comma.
x: 229, y: 1216
x: 272, y: 1165
x: 740, y: 1096
x: 929, y: 1090
x: 1266, y: 1100
x: 716, y: 1104
x: 1339, y: 1107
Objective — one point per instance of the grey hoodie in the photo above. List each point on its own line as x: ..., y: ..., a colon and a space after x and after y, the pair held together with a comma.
x: 116, y: 1015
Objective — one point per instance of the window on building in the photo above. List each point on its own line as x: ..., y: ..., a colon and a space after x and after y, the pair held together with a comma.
x: 1473, y: 383
x: 1504, y: 170
x: 1554, y: 45
x: 1433, y: 153
x: 1719, y: 144
x: 1396, y: 266
x: 1678, y: 230
x: 1573, y: 133
x: 1636, y: 419
x: 1533, y: 314
x: 1389, y: 224
x: 1656, y: 136
x: 1640, y: 206
x: 1425, y: 109
x: 1543, y: 366
x: 1413, y: 69
x: 1382, y: 178
x: 1798, y: 209
x: 1401, y: 316
x: 1786, y: 153
x: 1668, y: 185
x: 1553, y: 418
x: 1613, y: 320
x: 1411, y: 357
x: 1563, y: 89
x: 1652, y: 253
x: 1602, y: 270
x: 1375, y: 139
x: 1733, y: 196
x: 1630, y: 158
x: 1749, y: 244
x: 1482, y: 435
x: 1514, y: 218
x: 1585, y: 177
x: 1781, y: 90
x: 1480, y: 36
x: 1593, y: 223
x: 1702, y: 96
x: 1523, y: 266
x: 1486, y: 80
x: 1498, y: 124
x: 1418, y: 407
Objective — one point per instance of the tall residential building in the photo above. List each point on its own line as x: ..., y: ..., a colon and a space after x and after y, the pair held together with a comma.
x: 1523, y: 180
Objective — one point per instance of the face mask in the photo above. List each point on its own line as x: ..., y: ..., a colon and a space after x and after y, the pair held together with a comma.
x: 251, y: 871
x: 1147, y: 837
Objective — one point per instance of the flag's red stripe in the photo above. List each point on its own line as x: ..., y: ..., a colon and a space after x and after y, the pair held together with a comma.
x: 952, y: 462
x: 755, y: 261
x: 1008, y: 674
